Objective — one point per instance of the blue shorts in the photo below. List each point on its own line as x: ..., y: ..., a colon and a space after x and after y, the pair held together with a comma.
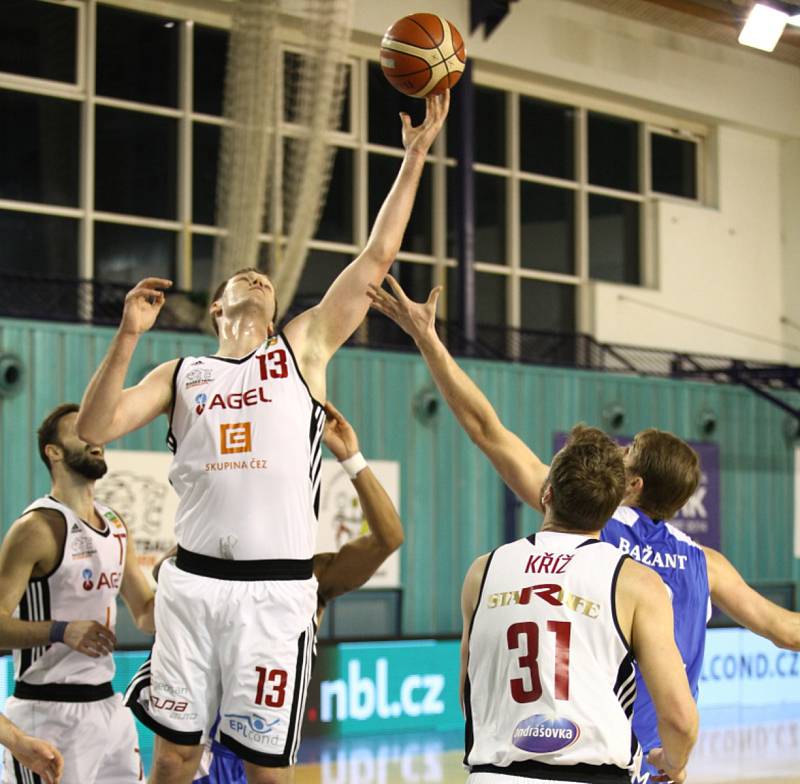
x: 225, y: 768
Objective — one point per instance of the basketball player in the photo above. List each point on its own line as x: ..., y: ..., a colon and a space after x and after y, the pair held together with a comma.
x: 235, y: 609
x: 337, y: 573
x: 36, y: 755
x: 62, y: 565
x: 662, y: 474
x: 551, y: 624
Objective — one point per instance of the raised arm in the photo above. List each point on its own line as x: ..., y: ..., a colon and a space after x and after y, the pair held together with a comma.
x: 31, y: 544
x: 136, y: 591
x: 328, y: 325
x: 359, y: 559
x: 644, y: 607
x: 36, y: 755
x: 518, y: 466
x: 108, y: 411
x: 747, y: 607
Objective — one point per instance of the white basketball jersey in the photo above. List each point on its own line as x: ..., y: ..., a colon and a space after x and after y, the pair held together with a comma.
x: 247, y: 436
x: 83, y: 587
x: 550, y: 678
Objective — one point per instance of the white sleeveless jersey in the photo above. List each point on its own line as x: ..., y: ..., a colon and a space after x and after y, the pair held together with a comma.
x: 247, y: 437
x: 83, y: 587
x: 550, y: 677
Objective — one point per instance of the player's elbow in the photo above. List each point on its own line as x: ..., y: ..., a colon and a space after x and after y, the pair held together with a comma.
x: 395, y: 540
x: 88, y: 430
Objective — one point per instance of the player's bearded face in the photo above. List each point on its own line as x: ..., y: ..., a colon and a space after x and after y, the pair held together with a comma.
x: 86, y: 460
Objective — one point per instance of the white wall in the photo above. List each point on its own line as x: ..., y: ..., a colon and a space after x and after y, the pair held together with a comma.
x: 724, y: 264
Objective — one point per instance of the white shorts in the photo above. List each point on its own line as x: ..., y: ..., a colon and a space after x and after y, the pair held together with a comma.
x: 242, y: 648
x: 98, y: 740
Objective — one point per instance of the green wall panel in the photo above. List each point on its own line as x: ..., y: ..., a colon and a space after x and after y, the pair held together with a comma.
x: 452, y: 501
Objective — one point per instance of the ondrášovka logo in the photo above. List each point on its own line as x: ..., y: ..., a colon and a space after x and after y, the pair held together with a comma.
x: 541, y: 734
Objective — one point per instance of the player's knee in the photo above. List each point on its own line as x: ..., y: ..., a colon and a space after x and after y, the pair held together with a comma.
x: 267, y: 775
x: 173, y: 764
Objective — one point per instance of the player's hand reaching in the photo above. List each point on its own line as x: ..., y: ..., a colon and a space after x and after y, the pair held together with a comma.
x: 90, y: 637
x: 40, y: 757
x: 420, y: 138
x: 667, y: 773
x: 415, y: 318
x: 339, y: 435
x: 143, y: 303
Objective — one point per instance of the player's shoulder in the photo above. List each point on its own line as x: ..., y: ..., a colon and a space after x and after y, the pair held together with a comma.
x: 625, y: 515
x: 639, y: 579
x: 682, y: 537
x: 36, y: 530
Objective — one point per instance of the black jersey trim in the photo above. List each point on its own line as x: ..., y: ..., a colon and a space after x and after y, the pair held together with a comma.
x: 530, y: 769
x: 297, y: 368
x: 104, y: 533
x: 172, y: 442
x: 238, y: 360
x: 532, y: 539
x: 614, y: 579
x: 587, y: 542
x: 63, y: 546
x: 469, y: 736
x: 63, y: 692
x: 225, y: 569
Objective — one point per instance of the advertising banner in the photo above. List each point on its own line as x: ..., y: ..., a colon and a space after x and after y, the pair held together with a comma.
x: 342, y: 519
x: 700, y: 518
x: 369, y: 688
x: 137, y: 488
x: 740, y: 668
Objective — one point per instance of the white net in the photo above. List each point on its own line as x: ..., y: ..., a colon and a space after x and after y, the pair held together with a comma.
x: 260, y: 173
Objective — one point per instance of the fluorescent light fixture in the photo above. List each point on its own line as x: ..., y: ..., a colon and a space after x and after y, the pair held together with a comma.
x: 763, y: 27
x: 794, y: 20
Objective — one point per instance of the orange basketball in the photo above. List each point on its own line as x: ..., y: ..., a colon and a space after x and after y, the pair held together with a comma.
x: 422, y: 54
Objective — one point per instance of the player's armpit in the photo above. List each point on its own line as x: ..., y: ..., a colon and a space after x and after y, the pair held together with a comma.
x: 30, y: 543
x: 136, y: 591
x: 747, y: 607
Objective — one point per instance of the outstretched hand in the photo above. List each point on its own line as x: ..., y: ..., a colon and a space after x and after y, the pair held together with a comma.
x: 339, y: 435
x: 420, y: 138
x: 415, y: 318
x: 143, y: 303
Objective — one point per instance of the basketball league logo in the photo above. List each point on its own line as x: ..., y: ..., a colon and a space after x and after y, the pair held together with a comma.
x: 235, y: 438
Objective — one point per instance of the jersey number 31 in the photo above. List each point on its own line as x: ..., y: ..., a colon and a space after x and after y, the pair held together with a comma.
x: 530, y: 631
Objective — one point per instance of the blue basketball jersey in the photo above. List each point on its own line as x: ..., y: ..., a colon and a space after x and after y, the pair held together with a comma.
x: 681, y: 564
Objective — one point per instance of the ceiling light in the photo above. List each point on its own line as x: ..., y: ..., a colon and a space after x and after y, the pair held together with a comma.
x: 794, y: 20
x: 763, y: 27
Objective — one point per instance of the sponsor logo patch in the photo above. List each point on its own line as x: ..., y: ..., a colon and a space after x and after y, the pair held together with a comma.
x: 235, y: 438
x: 542, y: 734
x: 198, y: 377
x: 200, y: 401
x: 254, y: 728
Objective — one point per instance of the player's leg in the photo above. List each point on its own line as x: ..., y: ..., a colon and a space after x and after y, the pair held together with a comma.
x: 176, y: 692
x: 174, y: 763
x: 265, y: 663
x: 258, y: 775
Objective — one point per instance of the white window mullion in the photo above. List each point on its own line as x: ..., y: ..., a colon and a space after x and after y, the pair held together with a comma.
x: 87, y: 175
x: 583, y: 304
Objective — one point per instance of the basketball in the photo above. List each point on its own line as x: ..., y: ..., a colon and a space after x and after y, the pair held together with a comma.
x: 422, y: 54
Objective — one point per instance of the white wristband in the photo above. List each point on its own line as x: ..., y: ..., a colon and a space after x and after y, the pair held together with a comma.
x: 354, y: 464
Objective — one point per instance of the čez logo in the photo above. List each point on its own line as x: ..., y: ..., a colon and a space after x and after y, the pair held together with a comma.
x: 361, y: 698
